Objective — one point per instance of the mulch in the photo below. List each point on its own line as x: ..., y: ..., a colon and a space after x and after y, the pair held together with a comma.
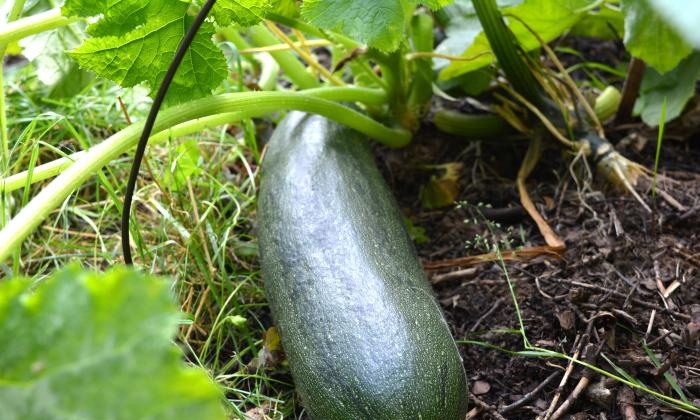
x: 626, y: 286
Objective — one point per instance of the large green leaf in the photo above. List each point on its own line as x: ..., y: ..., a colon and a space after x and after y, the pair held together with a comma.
x: 135, y: 41
x: 184, y: 166
x: 606, y: 22
x: 242, y: 12
x: 675, y: 87
x: 548, y: 18
x: 133, y: 56
x: 380, y: 24
x: 648, y: 37
x: 683, y: 15
x: 436, y: 4
x: 96, y: 346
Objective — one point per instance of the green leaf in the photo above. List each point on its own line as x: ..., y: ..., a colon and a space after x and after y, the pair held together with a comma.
x: 648, y: 37
x: 243, y: 12
x: 144, y: 54
x: 71, y: 83
x: 549, y: 19
x: 683, y: 16
x: 676, y: 86
x: 378, y: 23
x: 436, y: 4
x: 120, y: 16
x: 184, y: 165
x: 136, y: 41
x: 288, y: 8
x: 460, y: 31
x: 96, y: 346
x: 603, y: 23
x: 417, y: 233
x: 54, y: 68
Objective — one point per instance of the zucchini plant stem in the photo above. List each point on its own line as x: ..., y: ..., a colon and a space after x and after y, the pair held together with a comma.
x: 269, y: 67
x: 421, y: 88
x: 246, y: 105
x: 473, y: 126
x: 32, y: 25
x: 15, y: 11
x: 55, y: 167
x: 505, y: 47
x: 290, y: 65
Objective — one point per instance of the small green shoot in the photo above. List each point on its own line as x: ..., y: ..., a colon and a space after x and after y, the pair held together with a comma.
x: 667, y: 375
x: 659, y: 140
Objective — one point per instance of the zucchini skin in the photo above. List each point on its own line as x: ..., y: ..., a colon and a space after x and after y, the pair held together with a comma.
x: 363, y: 333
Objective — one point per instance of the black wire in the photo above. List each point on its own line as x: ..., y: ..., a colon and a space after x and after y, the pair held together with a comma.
x: 148, y: 126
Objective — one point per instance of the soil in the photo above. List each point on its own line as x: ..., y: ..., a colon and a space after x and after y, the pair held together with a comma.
x: 627, y: 280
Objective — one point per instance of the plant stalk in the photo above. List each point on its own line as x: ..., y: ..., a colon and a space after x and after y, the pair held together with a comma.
x: 57, y: 166
x: 246, y: 104
x: 32, y: 25
x: 473, y: 126
x: 290, y: 65
x: 16, y: 10
x: 505, y: 47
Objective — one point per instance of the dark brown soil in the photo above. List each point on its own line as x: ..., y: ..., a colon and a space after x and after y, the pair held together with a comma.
x: 602, y: 301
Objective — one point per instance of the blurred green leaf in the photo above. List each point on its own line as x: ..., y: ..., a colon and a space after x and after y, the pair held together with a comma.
x: 604, y: 23
x: 54, y: 68
x: 683, y: 16
x: 288, y: 8
x: 677, y: 86
x: 549, y: 19
x: 417, y: 233
x: 85, y: 345
x: 650, y: 38
x: 380, y: 24
x: 184, y: 165
x: 243, y: 12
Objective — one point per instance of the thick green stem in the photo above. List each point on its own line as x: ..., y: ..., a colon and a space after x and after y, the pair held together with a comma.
x: 395, y: 74
x: 289, y: 63
x: 246, y: 104
x: 472, y: 126
x: 32, y: 25
x: 55, y: 167
x: 421, y: 90
x: 4, y: 133
x: 269, y: 68
x: 505, y: 47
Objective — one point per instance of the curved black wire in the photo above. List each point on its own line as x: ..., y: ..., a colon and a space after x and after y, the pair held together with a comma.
x: 148, y: 126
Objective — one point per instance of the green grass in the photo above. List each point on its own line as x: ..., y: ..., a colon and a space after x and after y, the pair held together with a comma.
x: 199, y: 232
x: 659, y: 141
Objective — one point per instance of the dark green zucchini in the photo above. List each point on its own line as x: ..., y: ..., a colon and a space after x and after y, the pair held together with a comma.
x: 364, y: 336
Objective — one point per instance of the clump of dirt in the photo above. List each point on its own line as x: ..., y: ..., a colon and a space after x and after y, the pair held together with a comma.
x: 624, y: 295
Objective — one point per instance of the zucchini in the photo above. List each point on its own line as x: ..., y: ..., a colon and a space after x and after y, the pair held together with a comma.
x: 362, y: 331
